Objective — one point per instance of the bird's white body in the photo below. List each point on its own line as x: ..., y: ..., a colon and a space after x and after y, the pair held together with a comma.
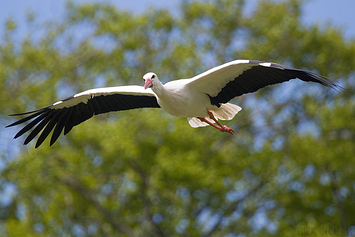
x: 180, y: 99
x: 203, y: 99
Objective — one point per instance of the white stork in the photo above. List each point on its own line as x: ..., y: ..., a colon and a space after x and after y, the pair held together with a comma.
x: 202, y: 99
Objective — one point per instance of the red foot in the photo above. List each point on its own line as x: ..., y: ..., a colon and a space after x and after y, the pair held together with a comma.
x: 227, y: 129
x: 222, y: 128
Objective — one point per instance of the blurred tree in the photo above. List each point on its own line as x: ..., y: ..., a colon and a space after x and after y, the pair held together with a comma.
x: 288, y: 169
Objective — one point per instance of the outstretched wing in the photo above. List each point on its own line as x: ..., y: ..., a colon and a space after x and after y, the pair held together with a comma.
x: 67, y: 113
x: 239, y: 77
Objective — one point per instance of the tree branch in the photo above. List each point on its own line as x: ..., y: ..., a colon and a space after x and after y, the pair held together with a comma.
x: 233, y: 206
x: 146, y: 201
x: 75, y: 185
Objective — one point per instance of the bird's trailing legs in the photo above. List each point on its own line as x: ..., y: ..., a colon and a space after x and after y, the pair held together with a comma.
x: 222, y: 128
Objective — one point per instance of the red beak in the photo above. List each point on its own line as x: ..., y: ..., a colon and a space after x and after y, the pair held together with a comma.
x: 148, y: 83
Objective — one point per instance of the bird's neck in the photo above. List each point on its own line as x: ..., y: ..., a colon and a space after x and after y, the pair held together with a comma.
x: 159, y: 89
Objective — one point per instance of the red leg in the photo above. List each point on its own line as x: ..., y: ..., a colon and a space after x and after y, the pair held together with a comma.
x: 222, y: 128
x: 225, y: 128
x: 213, y: 125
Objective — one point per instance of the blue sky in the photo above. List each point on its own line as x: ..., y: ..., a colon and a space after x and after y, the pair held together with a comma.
x: 337, y: 12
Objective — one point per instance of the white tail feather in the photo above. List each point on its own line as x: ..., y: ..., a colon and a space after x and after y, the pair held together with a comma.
x: 224, y: 112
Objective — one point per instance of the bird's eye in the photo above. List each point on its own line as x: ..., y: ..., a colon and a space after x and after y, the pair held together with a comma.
x: 153, y: 76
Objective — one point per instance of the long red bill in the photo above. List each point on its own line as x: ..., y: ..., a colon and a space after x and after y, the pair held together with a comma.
x: 148, y: 83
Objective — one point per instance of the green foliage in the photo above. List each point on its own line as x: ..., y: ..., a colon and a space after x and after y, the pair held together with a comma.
x: 287, y: 169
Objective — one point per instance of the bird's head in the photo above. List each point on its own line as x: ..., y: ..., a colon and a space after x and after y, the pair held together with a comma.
x: 150, y: 79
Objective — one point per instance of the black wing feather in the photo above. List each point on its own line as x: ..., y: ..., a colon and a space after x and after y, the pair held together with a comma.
x: 66, y: 118
x: 39, y: 127
x: 31, y: 125
x: 50, y: 125
x: 260, y: 76
x: 60, y: 125
x: 25, y: 119
x: 71, y: 119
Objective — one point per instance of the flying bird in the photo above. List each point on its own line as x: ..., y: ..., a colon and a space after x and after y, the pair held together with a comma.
x: 203, y: 99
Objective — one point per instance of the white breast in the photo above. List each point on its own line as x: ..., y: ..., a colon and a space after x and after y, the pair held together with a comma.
x: 182, y: 101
